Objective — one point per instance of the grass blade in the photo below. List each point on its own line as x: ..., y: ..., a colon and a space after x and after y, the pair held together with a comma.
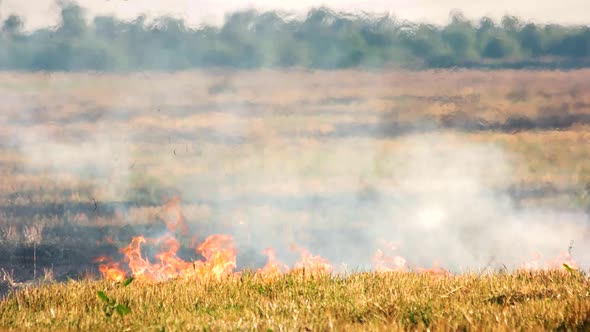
x: 103, y: 296
x: 122, y: 310
x: 127, y: 281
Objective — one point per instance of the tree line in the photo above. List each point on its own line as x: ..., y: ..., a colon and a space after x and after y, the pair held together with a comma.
x: 323, y: 39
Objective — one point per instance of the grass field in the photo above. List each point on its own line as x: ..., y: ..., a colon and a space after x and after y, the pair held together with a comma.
x: 369, y: 301
x: 481, y: 172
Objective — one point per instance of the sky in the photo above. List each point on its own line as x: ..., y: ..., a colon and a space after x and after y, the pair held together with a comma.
x: 39, y: 13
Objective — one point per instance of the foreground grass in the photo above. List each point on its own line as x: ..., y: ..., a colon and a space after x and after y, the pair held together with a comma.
x: 366, y: 301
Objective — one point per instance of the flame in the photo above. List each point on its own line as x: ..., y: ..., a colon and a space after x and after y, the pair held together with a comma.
x: 556, y: 264
x: 435, y: 271
x: 383, y: 263
x: 532, y: 265
x: 273, y: 269
x: 563, y: 258
x: 110, y: 270
x: 175, y: 218
x: 312, y: 266
x: 220, y: 257
x: 171, y: 266
x: 140, y: 267
x: 218, y: 251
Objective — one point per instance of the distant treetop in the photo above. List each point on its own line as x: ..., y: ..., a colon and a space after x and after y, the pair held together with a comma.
x: 323, y: 39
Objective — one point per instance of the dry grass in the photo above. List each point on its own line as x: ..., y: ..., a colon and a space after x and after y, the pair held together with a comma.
x: 166, y: 129
x: 90, y: 140
x: 363, y: 301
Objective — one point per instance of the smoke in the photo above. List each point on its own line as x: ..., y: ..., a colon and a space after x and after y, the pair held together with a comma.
x: 443, y: 200
x: 436, y: 197
x: 99, y: 157
x: 455, y: 209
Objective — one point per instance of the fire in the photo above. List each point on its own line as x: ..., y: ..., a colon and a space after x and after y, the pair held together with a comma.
x: 109, y: 269
x: 312, y: 266
x: 175, y: 218
x: 273, y: 269
x: 140, y: 267
x: 218, y: 251
x: 563, y: 258
x: 435, y: 270
x: 383, y: 263
x: 556, y: 264
x: 219, y: 259
x: 171, y: 266
x: 533, y: 264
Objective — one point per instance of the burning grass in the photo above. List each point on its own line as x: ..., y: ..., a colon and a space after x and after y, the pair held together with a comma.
x: 276, y: 161
x: 367, y: 301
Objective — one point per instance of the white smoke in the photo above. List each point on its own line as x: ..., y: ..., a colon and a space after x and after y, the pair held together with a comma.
x: 445, y: 200
x: 460, y: 213
x: 438, y: 197
x: 100, y: 157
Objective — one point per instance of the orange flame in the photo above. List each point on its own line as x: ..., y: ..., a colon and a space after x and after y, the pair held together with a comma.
x: 172, y: 208
x: 312, y: 266
x: 220, y: 257
x: 552, y: 265
x: 434, y: 271
x: 532, y: 265
x: 273, y: 269
x: 171, y: 265
x: 109, y: 269
x: 563, y: 258
x: 383, y: 263
x: 140, y: 267
x: 218, y: 251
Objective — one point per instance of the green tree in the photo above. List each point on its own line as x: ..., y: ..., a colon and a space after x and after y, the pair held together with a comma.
x: 531, y: 39
x: 72, y: 22
x: 460, y: 36
x: 498, y: 47
x: 12, y: 26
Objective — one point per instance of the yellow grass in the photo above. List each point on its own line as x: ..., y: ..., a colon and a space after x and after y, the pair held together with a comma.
x: 360, y: 301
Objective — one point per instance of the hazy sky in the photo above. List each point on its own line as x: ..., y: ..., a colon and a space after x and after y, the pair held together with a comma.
x: 44, y: 12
